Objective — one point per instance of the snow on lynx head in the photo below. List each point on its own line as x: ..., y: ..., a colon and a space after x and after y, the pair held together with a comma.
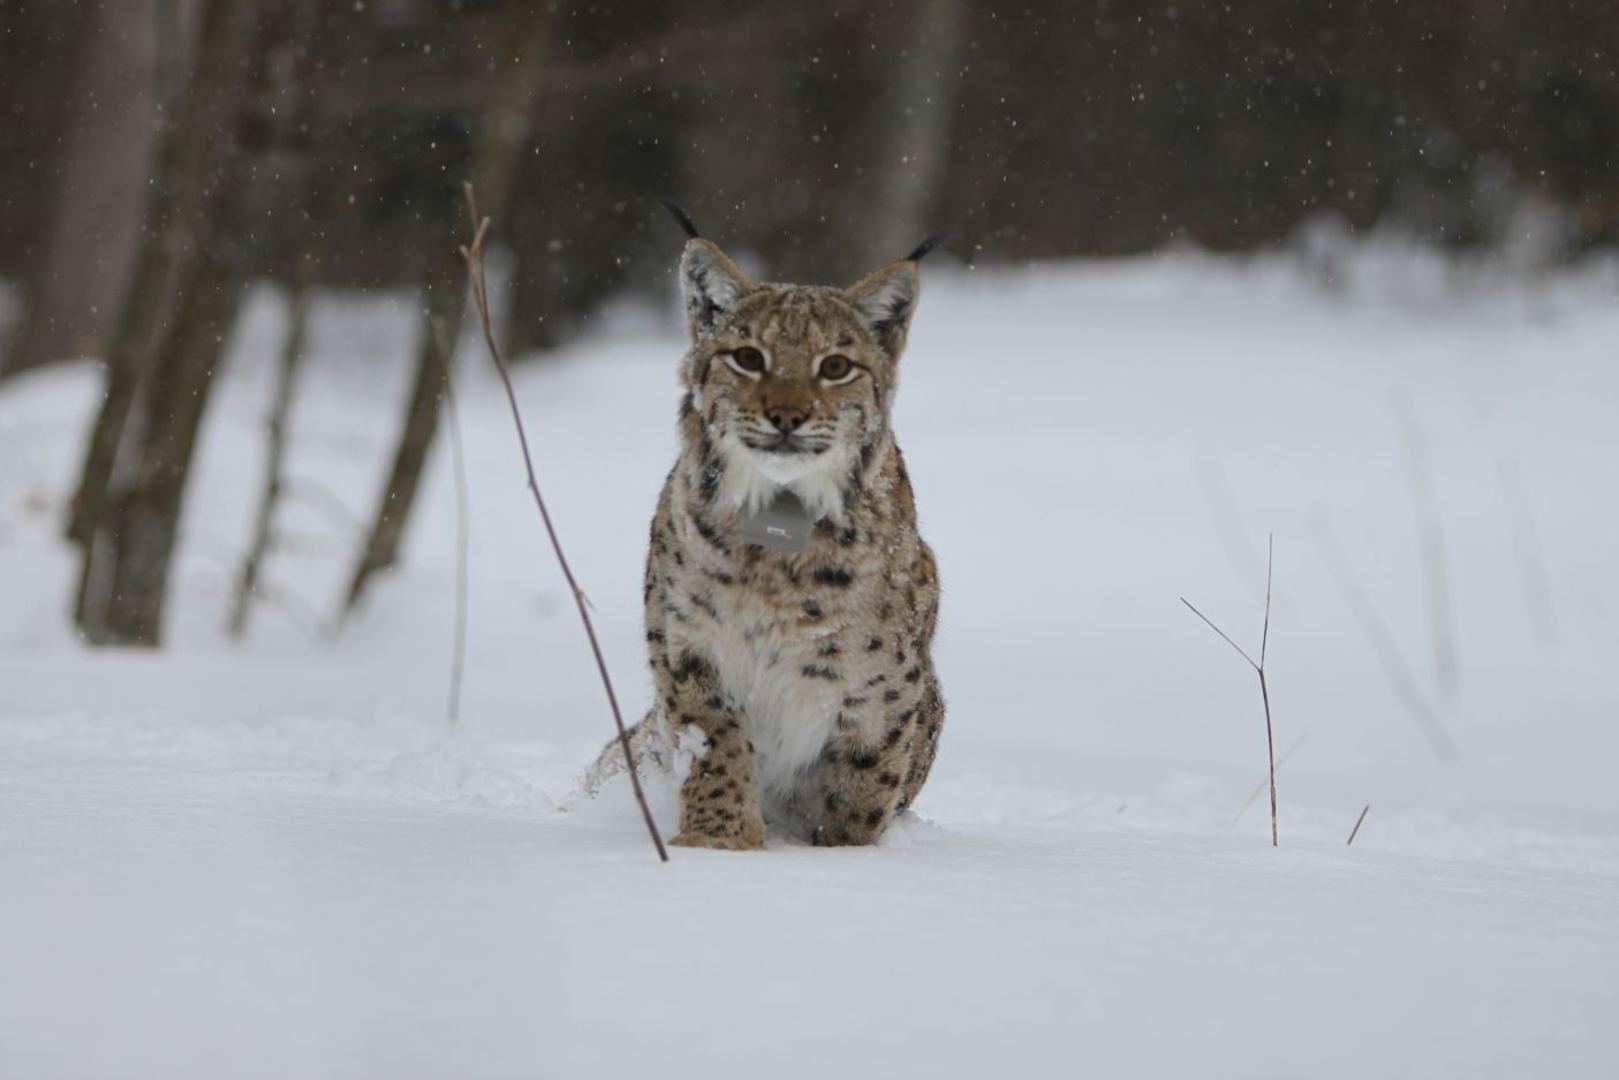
x: 791, y: 385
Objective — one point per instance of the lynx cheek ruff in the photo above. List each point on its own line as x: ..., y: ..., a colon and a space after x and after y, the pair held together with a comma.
x: 784, y: 525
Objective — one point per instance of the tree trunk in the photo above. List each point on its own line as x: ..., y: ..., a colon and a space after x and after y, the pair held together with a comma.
x: 500, y: 139
x: 143, y: 514
x: 145, y: 294
x: 195, y: 262
x: 176, y: 200
x: 294, y: 102
x: 292, y: 354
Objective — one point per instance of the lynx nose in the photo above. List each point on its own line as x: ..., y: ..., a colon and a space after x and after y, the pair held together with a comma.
x: 787, y: 418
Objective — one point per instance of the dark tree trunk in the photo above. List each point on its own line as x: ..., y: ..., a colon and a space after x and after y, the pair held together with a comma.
x: 501, y: 137
x: 123, y: 375
x: 143, y: 514
x: 194, y: 263
x: 187, y: 153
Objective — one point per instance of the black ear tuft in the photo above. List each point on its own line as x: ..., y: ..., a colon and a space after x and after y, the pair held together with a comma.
x: 923, y: 248
x: 682, y: 217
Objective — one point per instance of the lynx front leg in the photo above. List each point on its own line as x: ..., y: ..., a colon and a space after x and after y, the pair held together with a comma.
x: 929, y: 720
x: 863, y: 782
x: 719, y: 802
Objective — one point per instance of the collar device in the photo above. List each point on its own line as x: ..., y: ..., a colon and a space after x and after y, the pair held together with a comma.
x: 784, y: 524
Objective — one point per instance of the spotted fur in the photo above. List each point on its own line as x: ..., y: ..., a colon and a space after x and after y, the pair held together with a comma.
x: 809, y: 675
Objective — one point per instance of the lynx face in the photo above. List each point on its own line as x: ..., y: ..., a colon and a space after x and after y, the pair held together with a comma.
x: 791, y: 386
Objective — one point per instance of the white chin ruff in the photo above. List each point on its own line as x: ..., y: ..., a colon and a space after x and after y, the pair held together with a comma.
x: 751, y: 479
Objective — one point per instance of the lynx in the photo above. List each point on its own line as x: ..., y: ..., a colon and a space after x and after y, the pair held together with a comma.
x: 800, y: 684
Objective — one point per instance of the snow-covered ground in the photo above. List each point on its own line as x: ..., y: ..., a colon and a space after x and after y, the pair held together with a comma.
x: 280, y: 859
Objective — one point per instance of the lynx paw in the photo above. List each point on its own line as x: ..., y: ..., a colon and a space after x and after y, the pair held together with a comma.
x: 719, y: 843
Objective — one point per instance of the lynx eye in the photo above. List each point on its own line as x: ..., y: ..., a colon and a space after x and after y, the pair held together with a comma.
x: 747, y: 360
x: 836, y: 368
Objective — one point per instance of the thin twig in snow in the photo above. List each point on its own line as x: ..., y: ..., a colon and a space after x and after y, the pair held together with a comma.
x: 1264, y: 635
x: 1259, y: 788
x: 1259, y: 669
x: 1240, y: 650
x: 473, y: 254
x: 1358, y: 822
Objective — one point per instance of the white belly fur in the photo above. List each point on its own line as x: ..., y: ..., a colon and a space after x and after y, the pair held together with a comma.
x: 789, y: 717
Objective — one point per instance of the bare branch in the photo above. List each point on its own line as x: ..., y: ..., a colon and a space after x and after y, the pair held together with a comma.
x: 1210, y: 623
x: 1259, y: 788
x: 1270, y: 559
x: 473, y: 254
x: 1358, y: 822
x: 1264, y: 687
x: 1270, y: 750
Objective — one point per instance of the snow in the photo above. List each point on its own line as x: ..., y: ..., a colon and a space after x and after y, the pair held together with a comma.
x: 279, y: 858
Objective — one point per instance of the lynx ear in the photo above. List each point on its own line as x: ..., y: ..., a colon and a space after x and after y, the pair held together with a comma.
x: 712, y: 284
x: 885, y: 300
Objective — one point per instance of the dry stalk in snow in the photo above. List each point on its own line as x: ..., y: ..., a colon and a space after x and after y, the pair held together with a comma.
x: 1259, y: 669
x: 1259, y: 788
x: 1358, y: 822
x: 473, y: 254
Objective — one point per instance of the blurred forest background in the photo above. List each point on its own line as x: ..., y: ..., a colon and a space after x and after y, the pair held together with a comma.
x: 159, y: 156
